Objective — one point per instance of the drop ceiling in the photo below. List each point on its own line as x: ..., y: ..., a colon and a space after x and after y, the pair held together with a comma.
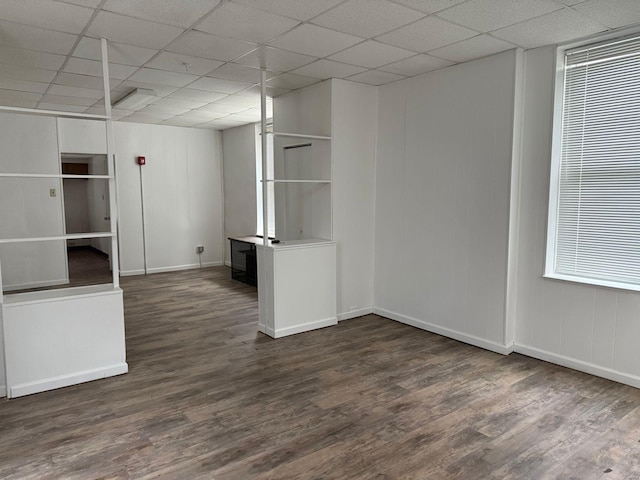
x: 202, y: 57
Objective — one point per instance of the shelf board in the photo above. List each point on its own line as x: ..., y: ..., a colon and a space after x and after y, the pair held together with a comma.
x: 295, y: 181
x: 298, y: 135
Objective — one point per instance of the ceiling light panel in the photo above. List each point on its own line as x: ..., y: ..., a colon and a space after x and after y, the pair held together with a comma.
x: 122, y: 54
x: 34, y: 38
x: 313, y: 40
x: 274, y: 59
x: 169, y: 12
x: 180, y: 63
x: 132, y: 31
x: 237, y: 21
x: 427, y: 34
x: 209, y: 46
x: 372, y: 54
x: 367, y: 18
x: 300, y: 10
x: 47, y: 14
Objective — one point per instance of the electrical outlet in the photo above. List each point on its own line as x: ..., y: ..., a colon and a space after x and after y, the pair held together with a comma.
x: 199, y: 249
x: 52, y: 192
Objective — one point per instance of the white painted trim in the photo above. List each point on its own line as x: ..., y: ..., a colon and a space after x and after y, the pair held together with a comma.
x: 49, y: 296
x: 130, y: 273
x: 354, y: 314
x: 177, y: 268
x: 462, y: 337
x: 3, y: 390
x: 304, y: 327
x: 227, y: 263
x: 66, y: 380
x: 266, y: 330
x: 43, y: 283
x: 579, y: 365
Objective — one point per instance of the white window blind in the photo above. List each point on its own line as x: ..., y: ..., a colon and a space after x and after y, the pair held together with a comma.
x: 597, y: 230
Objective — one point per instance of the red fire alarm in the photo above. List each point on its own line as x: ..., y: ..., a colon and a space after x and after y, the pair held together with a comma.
x: 142, y: 161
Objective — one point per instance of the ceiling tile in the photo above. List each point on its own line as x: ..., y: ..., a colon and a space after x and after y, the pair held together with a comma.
x: 66, y: 100
x: 132, y: 31
x: 371, y: 54
x: 475, y: 47
x: 30, y: 58
x: 147, y: 117
x: 416, y: 65
x: 555, y: 27
x: 179, y: 103
x: 297, y: 9
x: 244, y: 23
x: 375, y: 77
x: 23, y: 85
x: 487, y: 15
x: 177, y: 62
x: 34, y: 38
x: 239, y: 101
x: 217, y: 85
x: 243, y: 117
x: 274, y: 59
x: 156, y: 109
x: 161, y: 90
x: 612, y: 13
x: 170, y: 12
x: 570, y: 2
x: 429, y: 6
x: 61, y: 107
x: 197, y: 95
x: 240, y: 73
x: 182, y: 121
x: 122, y: 54
x: 221, y: 124
x: 76, y: 92
x: 222, y: 108
x: 427, y: 34
x: 328, y: 69
x: 162, y: 77
x: 367, y: 18
x: 272, y: 92
x: 313, y: 40
x: 200, y: 44
x: 26, y: 73
x: 83, y: 81
x: 14, y: 98
x: 291, y: 81
x: 83, y: 66
x: 208, y: 114
x: 84, y: 3
x: 47, y: 14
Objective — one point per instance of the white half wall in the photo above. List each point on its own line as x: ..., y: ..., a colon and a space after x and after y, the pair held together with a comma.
x: 183, y: 198
x: 442, y: 200
x: 239, y: 155
x: 593, y: 329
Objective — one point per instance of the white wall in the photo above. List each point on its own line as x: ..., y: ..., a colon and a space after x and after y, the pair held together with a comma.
x: 354, y: 116
x: 590, y: 328
x: 239, y: 155
x: 183, y: 199
x: 442, y: 200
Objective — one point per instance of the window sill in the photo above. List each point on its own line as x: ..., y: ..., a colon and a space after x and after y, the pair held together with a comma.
x: 594, y: 282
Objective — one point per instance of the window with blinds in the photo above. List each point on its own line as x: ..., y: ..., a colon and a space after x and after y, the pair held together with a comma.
x: 594, y: 221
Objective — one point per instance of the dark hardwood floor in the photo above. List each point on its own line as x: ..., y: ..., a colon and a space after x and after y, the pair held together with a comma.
x: 209, y: 398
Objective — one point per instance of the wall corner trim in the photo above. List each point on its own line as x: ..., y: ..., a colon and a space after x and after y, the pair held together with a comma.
x: 355, y: 314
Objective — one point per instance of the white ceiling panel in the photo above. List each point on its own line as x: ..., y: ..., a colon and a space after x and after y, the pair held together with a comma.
x: 372, y: 54
x: 245, y: 23
x: 30, y: 58
x: 313, y: 40
x: 65, y: 100
x: 240, y: 73
x: 416, y: 65
x: 178, y: 62
x: 170, y: 12
x: 328, y: 69
x: 162, y: 77
x: 291, y: 81
x: 61, y: 107
x: 375, y: 77
x: 122, y: 54
x: 367, y: 18
x: 132, y: 31
x: 161, y: 90
x: 147, y: 117
x: 475, y: 47
x: 429, y: 6
x: 200, y: 44
x: 271, y: 91
x: 14, y: 98
x: 427, y: 34
x: 551, y: 28
x: 168, y: 110
x: 83, y: 66
x: 243, y: 117
x: 47, y: 14
x: 217, y: 85
x: 67, y: 91
x: 239, y: 101
x: 83, y: 81
x: 178, y: 103
x: 26, y: 73
x: 34, y: 38
x: 207, y: 114
x: 612, y: 13
x: 275, y: 59
x: 488, y: 15
x: 23, y: 85
x: 83, y: 3
x: 300, y: 10
x: 197, y: 95
x: 182, y: 121
x: 222, y: 108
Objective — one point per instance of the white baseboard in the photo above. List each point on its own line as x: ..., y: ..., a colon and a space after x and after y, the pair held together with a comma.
x: 130, y: 273
x: 177, y: 268
x: 25, y: 286
x: 66, y: 380
x: 227, y: 264
x: 446, y: 332
x: 354, y: 314
x: 303, y: 327
x: 3, y: 391
x: 579, y: 365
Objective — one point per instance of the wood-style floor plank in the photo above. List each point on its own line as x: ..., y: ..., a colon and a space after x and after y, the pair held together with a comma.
x: 207, y: 397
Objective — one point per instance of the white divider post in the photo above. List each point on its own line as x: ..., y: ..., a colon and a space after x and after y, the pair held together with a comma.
x: 263, y: 142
